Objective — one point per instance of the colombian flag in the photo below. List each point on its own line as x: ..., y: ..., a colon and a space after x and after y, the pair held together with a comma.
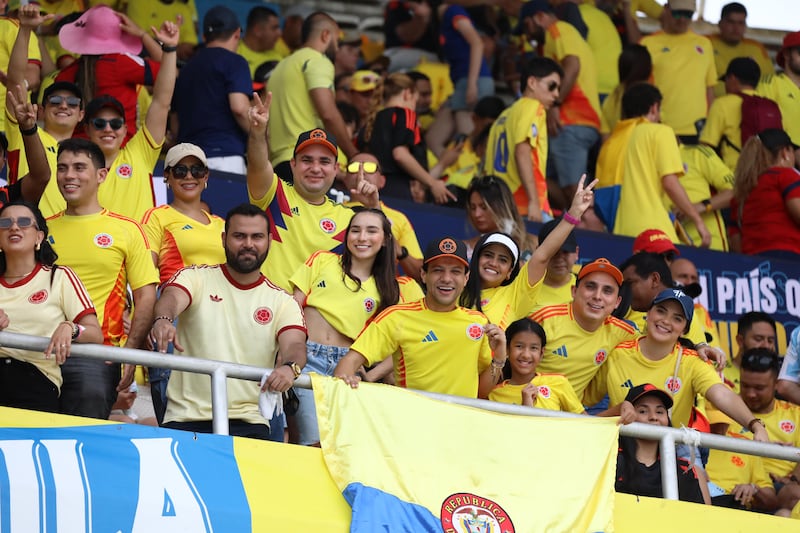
x: 407, y: 463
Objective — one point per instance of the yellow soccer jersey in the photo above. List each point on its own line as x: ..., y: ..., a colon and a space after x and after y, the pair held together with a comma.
x: 292, y: 110
x: 606, y: 46
x: 555, y: 393
x: 466, y: 167
x: 128, y: 189
x: 8, y: 34
x: 724, y: 53
x: 256, y: 59
x: 554, y: 295
x: 432, y: 351
x: 723, y: 127
x: 582, y: 105
x: 36, y: 304
x: 728, y: 469
x: 108, y: 252
x: 610, y: 160
x: 507, y: 303
x: 410, y: 290
x: 51, y: 201
x: 782, y: 426
x: 574, y: 352
x: 298, y: 229
x: 402, y: 229
x: 683, y: 68
x: 525, y: 121
x: 652, y: 154
x: 146, y: 13
x: 704, y: 170
x: 627, y: 367
x: 226, y: 321
x: 611, y: 110
x: 780, y: 88
x: 180, y: 241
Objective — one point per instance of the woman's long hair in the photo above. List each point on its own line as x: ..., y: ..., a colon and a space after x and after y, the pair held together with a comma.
x: 45, y: 255
x: 384, y: 268
x: 471, y: 297
x: 393, y: 85
x: 500, y: 201
x: 754, y: 159
x: 85, y: 77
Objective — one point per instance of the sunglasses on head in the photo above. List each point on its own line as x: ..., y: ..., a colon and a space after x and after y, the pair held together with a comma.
x: 101, y: 123
x: 57, y: 99
x: 368, y: 166
x: 759, y: 362
x: 182, y: 171
x: 22, y: 222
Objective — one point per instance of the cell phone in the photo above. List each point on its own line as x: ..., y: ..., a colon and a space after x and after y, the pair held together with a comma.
x: 460, y: 138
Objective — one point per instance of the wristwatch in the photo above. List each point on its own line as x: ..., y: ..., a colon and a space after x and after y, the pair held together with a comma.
x: 296, y: 370
x: 754, y: 422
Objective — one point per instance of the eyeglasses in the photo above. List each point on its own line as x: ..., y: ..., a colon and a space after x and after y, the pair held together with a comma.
x: 758, y: 362
x: 369, y: 167
x: 57, y: 99
x: 22, y: 222
x: 101, y: 123
x: 682, y: 14
x: 181, y: 172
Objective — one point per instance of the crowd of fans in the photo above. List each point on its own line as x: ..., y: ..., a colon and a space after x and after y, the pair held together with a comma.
x: 500, y: 109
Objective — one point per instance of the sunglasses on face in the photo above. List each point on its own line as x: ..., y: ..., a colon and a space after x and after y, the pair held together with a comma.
x: 368, y: 166
x: 57, y: 99
x: 682, y: 14
x: 553, y: 86
x: 101, y: 123
x: 181, y: 172
x: 755, y: 361
x: 22, y: 222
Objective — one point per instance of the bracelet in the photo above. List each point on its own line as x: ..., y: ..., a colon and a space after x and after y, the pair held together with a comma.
x: 753, y: 422
x: 165, y: 48
x: 498, y: 364
x: 162, y: 317
x: 30, y: 131
x: 707, y: 203
x: 571, y: 219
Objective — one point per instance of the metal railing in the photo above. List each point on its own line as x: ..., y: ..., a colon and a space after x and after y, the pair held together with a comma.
x: 219, y: 371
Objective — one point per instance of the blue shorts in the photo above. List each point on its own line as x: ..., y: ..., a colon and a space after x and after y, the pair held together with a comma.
x: 458, y: 100
x: 569, y: 153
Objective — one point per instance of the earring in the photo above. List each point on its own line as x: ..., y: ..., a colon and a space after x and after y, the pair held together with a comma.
x: 38, y: 246
x: 206, y: 186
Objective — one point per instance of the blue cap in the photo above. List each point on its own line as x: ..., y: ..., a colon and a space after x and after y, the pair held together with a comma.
x: 679, y: 296
x: 529, y: 9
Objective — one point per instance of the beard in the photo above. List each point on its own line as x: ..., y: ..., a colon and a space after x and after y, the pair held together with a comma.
x: 244, y: 263
x: 330, y: 51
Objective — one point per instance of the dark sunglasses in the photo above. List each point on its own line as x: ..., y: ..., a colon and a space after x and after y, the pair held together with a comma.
x: 101, y: 123
x: 182, y: 171
x: 553, y: 86
x: 682, y: 14
x: 758, y: 362
x: 57, y: 99
x: 22, y: 222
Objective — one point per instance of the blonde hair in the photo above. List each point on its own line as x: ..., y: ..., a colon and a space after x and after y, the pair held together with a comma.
x: 500, y: 204
x: 754, y: 159
x: 393, y: 85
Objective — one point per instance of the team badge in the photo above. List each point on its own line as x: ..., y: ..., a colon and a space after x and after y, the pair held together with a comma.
x: 484, y: 302
x: 38, y: 297
x: 468, y: 513
x: 124, y: 171
x: 103, y: 240
x: 448, y: 246
x: 369, y: 305
x: 327, y: 225
x: 787, y: 426
x: 737, y: 461
x: 475, y: 332
x: 544, y: 391
x: 534, y: 131
x: 673, y: 384
x: 600, y: 357
x: 263, y: 315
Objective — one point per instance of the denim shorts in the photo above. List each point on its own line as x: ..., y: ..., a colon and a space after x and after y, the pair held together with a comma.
x: 458, y: 100
x: 322, y: 360
x: 569, y: 153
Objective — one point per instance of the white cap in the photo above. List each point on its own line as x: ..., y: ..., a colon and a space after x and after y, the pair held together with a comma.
x: 179, y: 151
x: 505, y: 240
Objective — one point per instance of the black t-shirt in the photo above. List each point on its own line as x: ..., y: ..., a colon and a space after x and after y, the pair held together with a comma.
x: 11, y: 193
x: 645, y: 480
x: 398, y: 12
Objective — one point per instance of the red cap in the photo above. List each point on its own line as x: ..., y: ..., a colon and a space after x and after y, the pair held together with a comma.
x: 601, y: 265
x: 790, y: 40
x: 654, y: 241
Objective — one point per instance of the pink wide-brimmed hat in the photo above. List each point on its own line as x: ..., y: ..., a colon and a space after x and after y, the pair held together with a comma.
x: 97, y: 32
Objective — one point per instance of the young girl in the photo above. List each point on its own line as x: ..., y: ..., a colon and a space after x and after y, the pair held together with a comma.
x: 339, y: 294
x: 497, y: 286
x: 524, y: 342
x: 393, y: 135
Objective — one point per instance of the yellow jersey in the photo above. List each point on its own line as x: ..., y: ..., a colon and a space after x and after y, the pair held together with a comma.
x: 782, y: 426
x: 433, y: 351
x: 180, y: 241
x: 146, y: 13
x: 230, y: 322
x: 36, y: 304
x: 108, y: 252
x: 554, y: 295
x: 724, y: 53
x: 611, y: 110
x: 507, y: 303
x: 555, y: 393
x: 610, y: 160
x: 256, y: 59
x: 8, y: 34
x: 683, y: 68
x: 723, y: 128
x: 728, y: 469
x: 606, y: 46
x: 784, y: 92
x: 574, y: 352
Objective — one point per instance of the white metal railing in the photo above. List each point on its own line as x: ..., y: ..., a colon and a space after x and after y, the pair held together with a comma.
x: 219, y: 371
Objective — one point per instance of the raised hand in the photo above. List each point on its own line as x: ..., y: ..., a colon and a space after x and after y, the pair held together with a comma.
x: 24, y: 111
x: 259, y: 113
x: 169, y: 33
x: 583, y: 199
x: 30, y: 16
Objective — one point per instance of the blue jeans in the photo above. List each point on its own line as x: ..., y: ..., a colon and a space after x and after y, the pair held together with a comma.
x: 569, y: 153
x: 322, y: 359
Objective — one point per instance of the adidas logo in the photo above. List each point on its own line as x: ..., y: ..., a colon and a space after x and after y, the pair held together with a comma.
x: 215, y: 298
x: 628, y: 384
x: 561, y: 351
x: 431, y: 337
x: 296, y: 211
x: 321, y: 284
x: 187, y: 226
